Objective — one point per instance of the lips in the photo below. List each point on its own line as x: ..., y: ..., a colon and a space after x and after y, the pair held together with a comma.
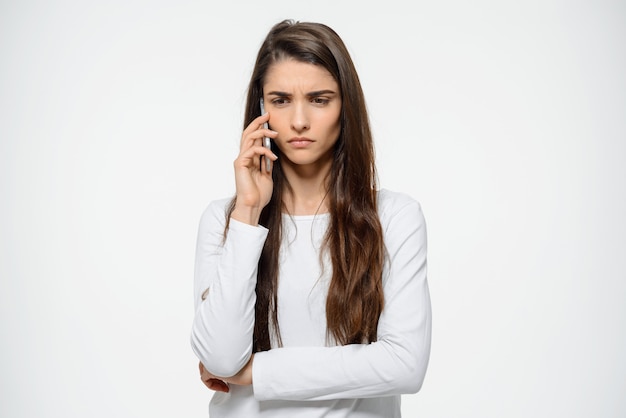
x: 300, y: 142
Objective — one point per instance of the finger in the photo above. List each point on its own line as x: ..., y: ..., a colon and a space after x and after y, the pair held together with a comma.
x: 267, y: 164
x: 256, y: 138
x: 256, y: 130
x: 211, y: 381
x: 255, y: 125
x: 251, y: 157
x: 217, y: 385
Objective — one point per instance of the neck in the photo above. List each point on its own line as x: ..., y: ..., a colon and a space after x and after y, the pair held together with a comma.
x: 307, y: 188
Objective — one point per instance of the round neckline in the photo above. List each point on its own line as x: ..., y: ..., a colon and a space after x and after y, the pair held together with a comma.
x: 307, y: 217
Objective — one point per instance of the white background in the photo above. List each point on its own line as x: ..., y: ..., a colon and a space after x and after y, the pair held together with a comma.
x: 119, y: 122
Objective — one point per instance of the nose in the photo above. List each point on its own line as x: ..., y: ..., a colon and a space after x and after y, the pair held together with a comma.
x: 299, y: 118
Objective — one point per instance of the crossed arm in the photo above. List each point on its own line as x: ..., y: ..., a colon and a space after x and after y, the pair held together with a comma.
x: 224, y: 321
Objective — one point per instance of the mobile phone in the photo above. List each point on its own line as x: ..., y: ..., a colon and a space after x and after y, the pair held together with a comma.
x: 266, y: 141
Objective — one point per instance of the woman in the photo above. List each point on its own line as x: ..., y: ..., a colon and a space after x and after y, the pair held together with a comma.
x: 310, y: 284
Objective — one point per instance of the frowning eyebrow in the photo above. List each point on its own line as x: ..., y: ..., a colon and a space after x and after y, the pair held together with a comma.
x: 310, y: 94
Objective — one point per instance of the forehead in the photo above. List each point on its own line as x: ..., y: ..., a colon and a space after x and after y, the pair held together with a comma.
x: 292, y: 76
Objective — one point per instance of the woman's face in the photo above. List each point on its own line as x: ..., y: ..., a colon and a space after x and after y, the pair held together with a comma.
x: 304, y: 104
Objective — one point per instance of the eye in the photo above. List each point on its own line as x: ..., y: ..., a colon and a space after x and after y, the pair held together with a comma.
x: 320, y: 100
x: 279, y: 101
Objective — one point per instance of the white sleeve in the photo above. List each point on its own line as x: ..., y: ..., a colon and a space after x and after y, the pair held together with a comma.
x: 396, y: 363
x: 226, y: 274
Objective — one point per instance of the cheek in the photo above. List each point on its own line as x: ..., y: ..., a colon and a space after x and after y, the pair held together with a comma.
x: 331, y: 121
x: 336, y: 126
x: 277, y: 124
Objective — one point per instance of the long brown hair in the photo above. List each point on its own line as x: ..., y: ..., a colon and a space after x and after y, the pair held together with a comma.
x: 354, y: 238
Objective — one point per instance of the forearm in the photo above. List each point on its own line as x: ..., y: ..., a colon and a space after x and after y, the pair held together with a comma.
x: 223, y: 325
x: 393, y: 365
x: 354, y: 371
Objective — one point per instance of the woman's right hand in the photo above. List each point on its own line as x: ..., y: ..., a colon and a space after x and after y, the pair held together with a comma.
x: 254, y: 184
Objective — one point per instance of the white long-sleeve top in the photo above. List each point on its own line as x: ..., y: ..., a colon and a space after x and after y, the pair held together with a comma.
x: 307, y: 376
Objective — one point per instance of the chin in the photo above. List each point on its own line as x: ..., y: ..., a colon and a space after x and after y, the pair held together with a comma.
x: 304, y: 160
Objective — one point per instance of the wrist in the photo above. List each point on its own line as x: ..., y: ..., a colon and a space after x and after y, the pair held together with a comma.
x: 244, y: 376
x: 246, y: 214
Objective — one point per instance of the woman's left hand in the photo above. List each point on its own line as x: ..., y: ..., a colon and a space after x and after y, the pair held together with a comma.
x: 212, y: 382
x: 221, y: 384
